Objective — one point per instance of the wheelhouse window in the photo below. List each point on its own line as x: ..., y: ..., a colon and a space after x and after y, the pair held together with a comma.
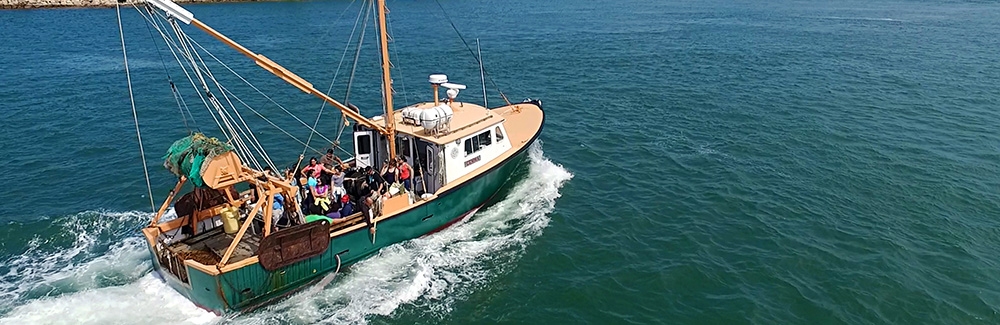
x: 364, y: 144
x: 477, y: 142
x: 403, y: 145
x: 499, y: 134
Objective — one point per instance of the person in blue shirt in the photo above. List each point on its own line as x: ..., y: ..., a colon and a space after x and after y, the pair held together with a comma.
x: 279, y: 208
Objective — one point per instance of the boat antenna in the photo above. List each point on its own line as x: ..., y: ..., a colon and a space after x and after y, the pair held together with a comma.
x: 482, y: 74
x: 135, y: 116
x: 486, y: 74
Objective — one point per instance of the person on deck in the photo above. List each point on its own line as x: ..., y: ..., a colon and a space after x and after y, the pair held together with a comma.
x: 313, y: 169
x: 311, y: 184
x: 279, y: 209
x: 337, y: 182
x: 405, y: 173
x: 371, y: 193
x: 321, y: 197
x: 375, y: 181
x: 334, y: 211
x: 389, y: 172
x: 367, y: 202
x: 331, y: 161
x: 347, y: 208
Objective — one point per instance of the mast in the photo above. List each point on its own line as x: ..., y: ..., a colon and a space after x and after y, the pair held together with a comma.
x: 390, y: 120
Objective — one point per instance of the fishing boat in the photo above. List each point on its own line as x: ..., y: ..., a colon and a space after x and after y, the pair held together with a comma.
x: 239, y: 239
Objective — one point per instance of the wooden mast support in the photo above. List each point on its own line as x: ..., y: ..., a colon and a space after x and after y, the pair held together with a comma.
x: 268, y: 212
x: 166, y: 203
x: 246, y: 224
x: 390, y: 120
x: 294, y: 79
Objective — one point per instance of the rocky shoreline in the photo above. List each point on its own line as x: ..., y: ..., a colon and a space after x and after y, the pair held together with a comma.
x: 31, y: 4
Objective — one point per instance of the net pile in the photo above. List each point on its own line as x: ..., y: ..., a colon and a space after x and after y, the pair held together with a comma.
x: 190, y: 155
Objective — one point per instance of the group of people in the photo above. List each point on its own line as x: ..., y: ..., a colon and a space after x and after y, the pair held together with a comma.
x: 323, y: 186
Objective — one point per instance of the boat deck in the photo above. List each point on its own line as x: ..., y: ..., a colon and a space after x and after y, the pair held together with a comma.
x: 209, y: 247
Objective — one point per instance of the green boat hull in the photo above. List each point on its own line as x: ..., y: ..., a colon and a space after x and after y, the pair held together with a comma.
x: 251, y: 286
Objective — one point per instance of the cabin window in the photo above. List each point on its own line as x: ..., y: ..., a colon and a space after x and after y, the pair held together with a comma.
x: 499, y: 134
x: 485, y: 139
x: 364, y: 144
x: 469, y: 146
x: 403, y: 144
x: 477, y: 142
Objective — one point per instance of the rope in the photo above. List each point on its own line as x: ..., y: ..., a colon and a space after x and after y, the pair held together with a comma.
x: 170, y: 41
x: 135, y: 115
x: 186, y: 54
x: 233, y: 134
x: 312, y: 129
x: 488, y: 76
x: 234, y: 139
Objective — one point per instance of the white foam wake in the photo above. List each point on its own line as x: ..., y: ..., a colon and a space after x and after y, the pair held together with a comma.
x: 146, y: 301
x: 94, y: 271
x: 85, y: 253
x: 433, y: 272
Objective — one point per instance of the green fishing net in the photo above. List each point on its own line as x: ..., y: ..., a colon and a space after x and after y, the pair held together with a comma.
x: 190, y: 155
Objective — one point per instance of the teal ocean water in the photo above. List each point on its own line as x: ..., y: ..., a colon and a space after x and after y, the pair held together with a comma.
x: 720, y: 162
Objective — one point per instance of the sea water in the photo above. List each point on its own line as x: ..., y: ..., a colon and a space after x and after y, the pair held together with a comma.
x: 778, y: 162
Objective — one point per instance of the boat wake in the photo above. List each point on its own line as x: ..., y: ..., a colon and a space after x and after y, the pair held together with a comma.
x: 100, y: 279
x: 94, y: 270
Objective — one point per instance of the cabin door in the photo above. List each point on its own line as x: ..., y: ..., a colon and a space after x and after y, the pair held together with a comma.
x: 363, y: 148
x: 404, y: 149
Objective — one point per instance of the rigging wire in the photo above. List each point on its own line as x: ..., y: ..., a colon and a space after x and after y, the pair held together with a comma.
x: 230, y: 92
x: 258, y: 90
x: 181, y: 105
x: 135, y: 115
x: 234, y: 127
x: 482, y: 74
x: 171, y: 45
x: 334, y: 81
x: 232, y: 134
x: 488, y: 76
x: 210, y: 102
x: 357, y: 55
x: 395, y: 52
x: 245, y: 128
